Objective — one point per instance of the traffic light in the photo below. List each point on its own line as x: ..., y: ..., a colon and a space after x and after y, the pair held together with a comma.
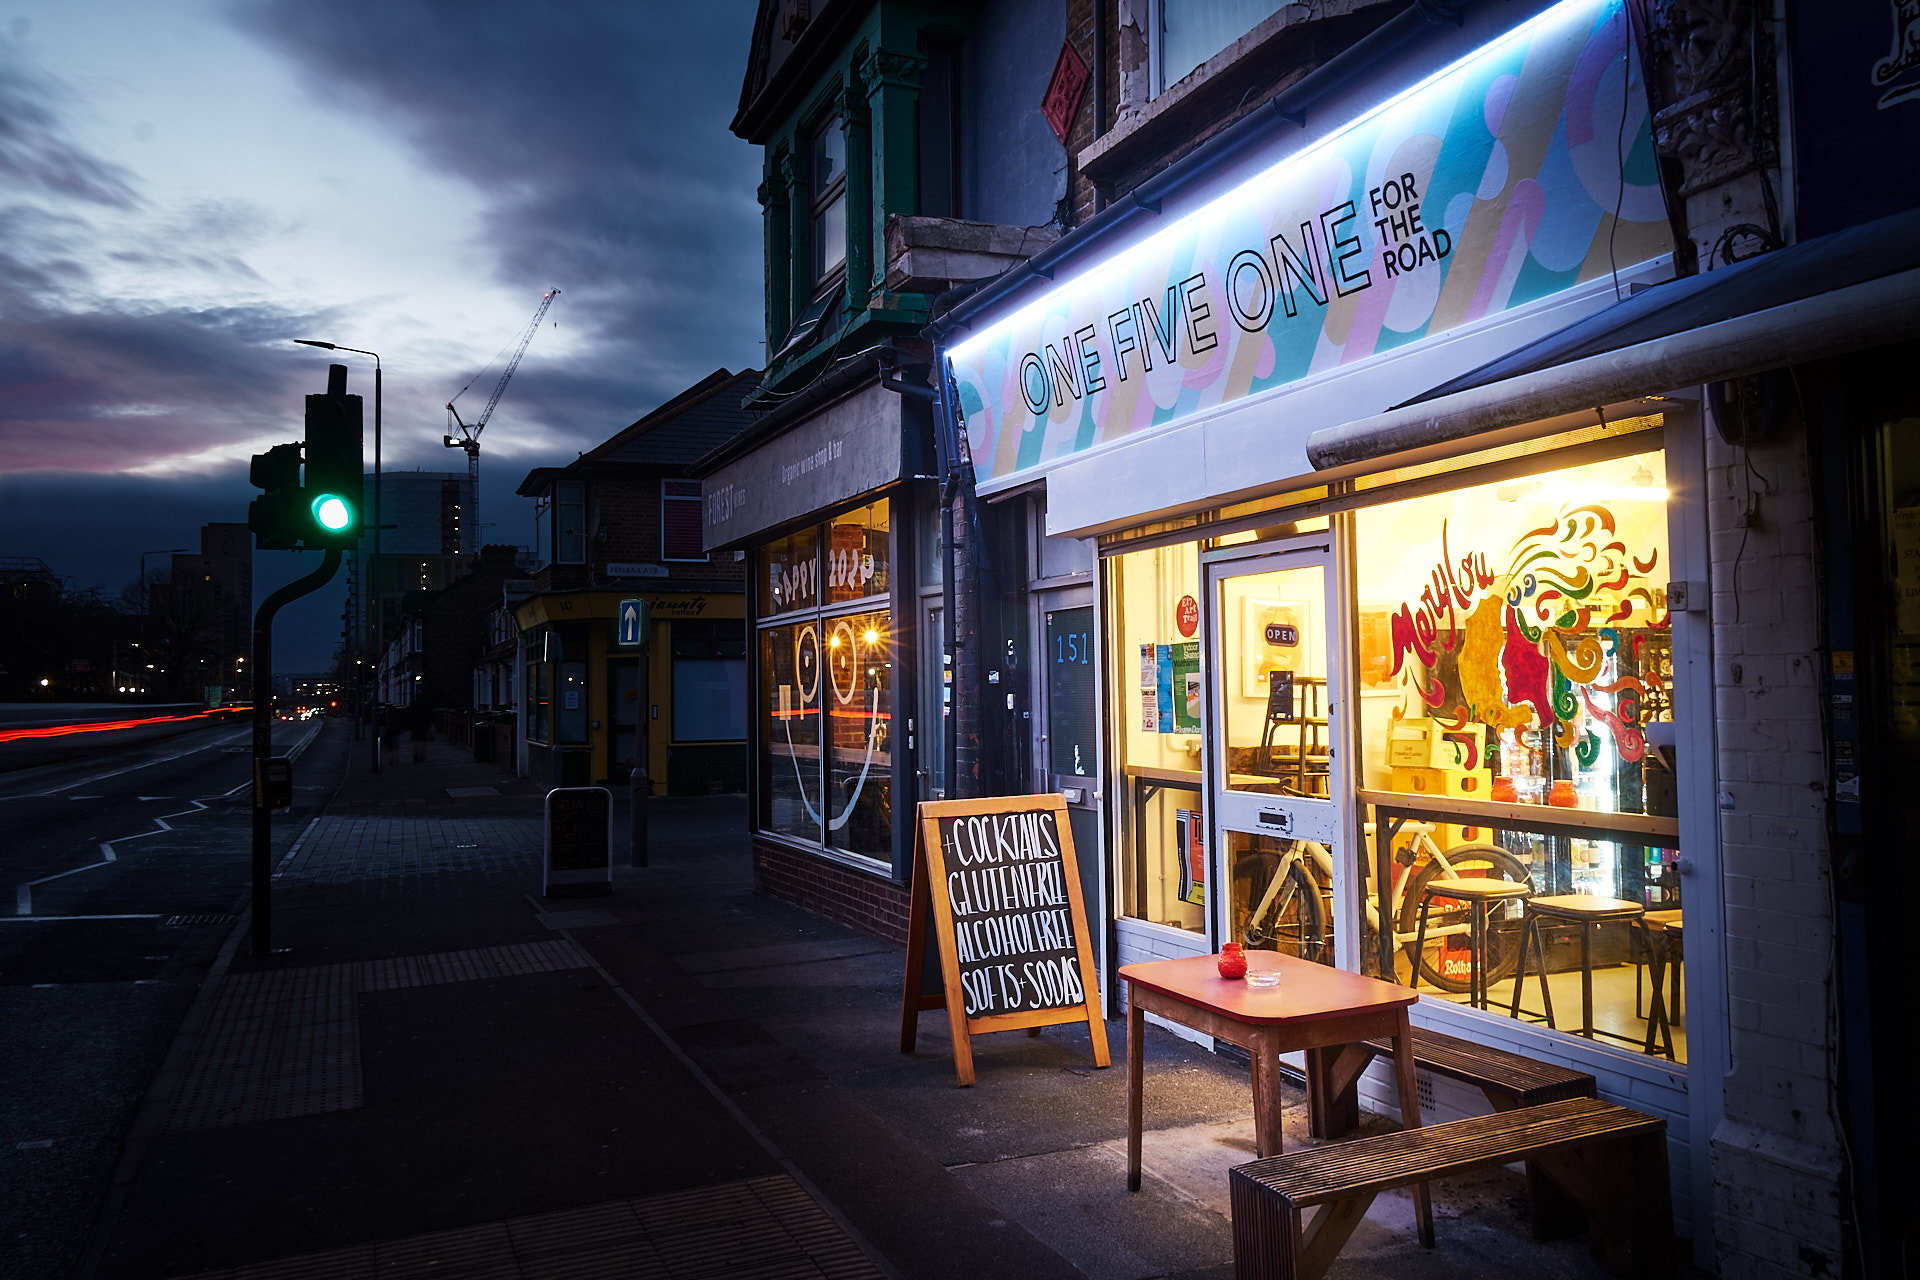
x: 335, y: 486
x: 277, y: 517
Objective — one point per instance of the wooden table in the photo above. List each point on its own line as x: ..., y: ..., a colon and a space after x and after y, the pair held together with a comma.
x: 1326, y: 1012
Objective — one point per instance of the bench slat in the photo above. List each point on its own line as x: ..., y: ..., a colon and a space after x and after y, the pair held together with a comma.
x: 1321, y: 1174
x: 1529, y: 1080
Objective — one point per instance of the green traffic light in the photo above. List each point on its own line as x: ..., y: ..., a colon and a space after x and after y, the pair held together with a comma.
x: 332, y: 512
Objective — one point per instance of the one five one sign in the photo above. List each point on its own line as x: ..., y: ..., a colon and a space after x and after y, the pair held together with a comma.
x: 998, y: 880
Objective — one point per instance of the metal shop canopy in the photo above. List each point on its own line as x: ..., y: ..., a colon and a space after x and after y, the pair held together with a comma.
x: 1842, y: 292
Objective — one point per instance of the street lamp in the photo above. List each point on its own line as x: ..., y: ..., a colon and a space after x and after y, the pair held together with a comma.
x: 145, y: 604
x: 379, y: 614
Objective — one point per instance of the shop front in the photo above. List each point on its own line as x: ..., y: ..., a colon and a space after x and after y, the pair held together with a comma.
x: 845, y: 661
x: 663, y: 687
x: 1435, y: 707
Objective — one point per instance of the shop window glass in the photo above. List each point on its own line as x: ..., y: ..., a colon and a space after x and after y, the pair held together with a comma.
x: 790, y: 573
x: 857, y: 554
x: 539, y: 702
x: 1153, y: 621
x: 858, y: 695
x: 709, y: 682
x: 1514, y: 647
x: 791, y: 676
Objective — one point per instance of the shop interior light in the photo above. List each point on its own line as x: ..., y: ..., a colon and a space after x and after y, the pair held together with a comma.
x: 873, y: 636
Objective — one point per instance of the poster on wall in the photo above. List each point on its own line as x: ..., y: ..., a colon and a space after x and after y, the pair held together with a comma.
x: 1520, y: 172
x: 1190, y: 838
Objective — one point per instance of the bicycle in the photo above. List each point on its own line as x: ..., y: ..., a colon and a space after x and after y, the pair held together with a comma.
x: 1295, y: 900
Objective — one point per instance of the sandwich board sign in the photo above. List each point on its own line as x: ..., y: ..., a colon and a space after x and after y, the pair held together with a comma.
x: 578, y: 861
x: 997, y: 881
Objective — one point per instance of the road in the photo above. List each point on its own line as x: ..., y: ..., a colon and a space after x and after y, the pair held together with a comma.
x: 127, y: 870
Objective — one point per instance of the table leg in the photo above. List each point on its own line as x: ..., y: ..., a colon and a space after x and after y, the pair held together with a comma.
x: 1268, y: 1104
x: 1410, y: 1118
x: 1136, y: 1033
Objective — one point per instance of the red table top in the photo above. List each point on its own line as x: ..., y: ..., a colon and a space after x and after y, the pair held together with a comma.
x: 1307, y: 991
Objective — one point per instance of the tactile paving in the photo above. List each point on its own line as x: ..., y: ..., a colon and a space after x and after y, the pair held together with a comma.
x: 763, y: 1227
x: 287, y: 1043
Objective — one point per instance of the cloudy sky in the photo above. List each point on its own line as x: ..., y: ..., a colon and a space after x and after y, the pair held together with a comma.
x: 186, y: 187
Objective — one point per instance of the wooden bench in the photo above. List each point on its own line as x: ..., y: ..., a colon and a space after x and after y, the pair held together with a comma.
x: 1590, y: 1163
x: 1507, y: 1079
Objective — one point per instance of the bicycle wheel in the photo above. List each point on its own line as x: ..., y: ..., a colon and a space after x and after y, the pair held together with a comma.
x: 1295, y: 923
x: 1449, y: 968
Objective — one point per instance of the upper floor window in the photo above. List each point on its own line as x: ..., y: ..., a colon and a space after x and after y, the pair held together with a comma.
x: 570, y: 523
x: 1191, y: 31
x: 828, y: 192
x: 680, y: 520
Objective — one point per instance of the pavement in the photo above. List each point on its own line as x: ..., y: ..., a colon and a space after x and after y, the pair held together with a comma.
x: 438, y: 1072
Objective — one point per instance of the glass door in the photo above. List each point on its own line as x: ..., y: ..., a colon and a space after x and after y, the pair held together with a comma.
x: 1279, y: 818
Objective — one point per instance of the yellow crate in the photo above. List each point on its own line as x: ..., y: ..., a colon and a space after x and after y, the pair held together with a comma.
x: 1427, y: 744
x: 1464, y: 784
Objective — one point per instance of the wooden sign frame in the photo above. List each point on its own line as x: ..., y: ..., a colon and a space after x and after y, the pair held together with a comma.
x: 931, y: 902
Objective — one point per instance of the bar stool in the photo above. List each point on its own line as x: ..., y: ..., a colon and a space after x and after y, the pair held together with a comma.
x: 1660, y: 932
x: 1480, y: 893
x: 1586, y: 912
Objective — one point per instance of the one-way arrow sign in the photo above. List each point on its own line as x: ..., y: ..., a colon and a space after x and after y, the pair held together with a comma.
x: 633, y: 622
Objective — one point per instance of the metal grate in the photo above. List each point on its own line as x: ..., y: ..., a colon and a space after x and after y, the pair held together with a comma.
x: 205, y: 917
x: 284, y: 1044
x: 763, y: 1227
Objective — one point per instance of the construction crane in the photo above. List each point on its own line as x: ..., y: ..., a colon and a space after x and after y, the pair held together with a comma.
x: 469, y: 437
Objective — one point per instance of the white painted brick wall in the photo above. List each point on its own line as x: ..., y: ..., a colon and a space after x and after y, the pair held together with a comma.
x: 1776, y: 1160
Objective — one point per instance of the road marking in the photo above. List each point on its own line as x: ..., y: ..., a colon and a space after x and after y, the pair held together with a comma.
x: 298, y: 749
x: 42, y: 919
x: 23, y: 894
x: 86, y: 797
x: 145, y: 798
x: 40, y: 1145
x: 219, y: 740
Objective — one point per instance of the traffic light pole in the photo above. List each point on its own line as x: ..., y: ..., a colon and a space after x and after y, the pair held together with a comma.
x: 263, y: 740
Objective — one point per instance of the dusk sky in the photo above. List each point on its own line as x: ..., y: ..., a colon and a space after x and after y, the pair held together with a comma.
x: 186, y: 187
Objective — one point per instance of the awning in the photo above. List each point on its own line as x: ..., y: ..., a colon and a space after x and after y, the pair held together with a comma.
x: 1825, y: 297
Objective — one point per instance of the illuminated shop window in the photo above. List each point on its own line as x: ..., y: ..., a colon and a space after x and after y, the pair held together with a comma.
x: 1514, y: 647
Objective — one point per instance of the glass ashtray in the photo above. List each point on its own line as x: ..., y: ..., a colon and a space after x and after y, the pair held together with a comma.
x: 1263, y: 977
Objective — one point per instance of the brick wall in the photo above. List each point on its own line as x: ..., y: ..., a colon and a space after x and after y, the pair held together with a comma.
x: 1776, y: 1157
x: 1081, y: 17
x: 628, y: 506
x: 861, y: 900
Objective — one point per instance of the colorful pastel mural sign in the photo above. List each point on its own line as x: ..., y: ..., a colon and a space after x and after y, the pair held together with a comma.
x: 1560, y: 638
x: 1521, y: 171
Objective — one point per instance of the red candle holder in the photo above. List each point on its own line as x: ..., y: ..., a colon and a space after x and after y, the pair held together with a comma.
x: 1233, y: 961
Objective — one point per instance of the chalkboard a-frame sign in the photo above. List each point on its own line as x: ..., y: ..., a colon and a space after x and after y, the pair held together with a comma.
x: 578, y: 860
x: 997, y: 880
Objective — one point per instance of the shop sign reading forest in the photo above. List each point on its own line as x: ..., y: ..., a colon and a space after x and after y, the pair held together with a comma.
x: 1521, y: 171
x: 997, y: 879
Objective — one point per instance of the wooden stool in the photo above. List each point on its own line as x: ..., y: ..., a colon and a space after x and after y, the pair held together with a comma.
x: 1660, y: 931
x: 1586, y: 912
x: 1479, y: 893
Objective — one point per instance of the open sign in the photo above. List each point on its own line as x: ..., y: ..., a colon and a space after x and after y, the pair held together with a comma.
x: 1283, y: 634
